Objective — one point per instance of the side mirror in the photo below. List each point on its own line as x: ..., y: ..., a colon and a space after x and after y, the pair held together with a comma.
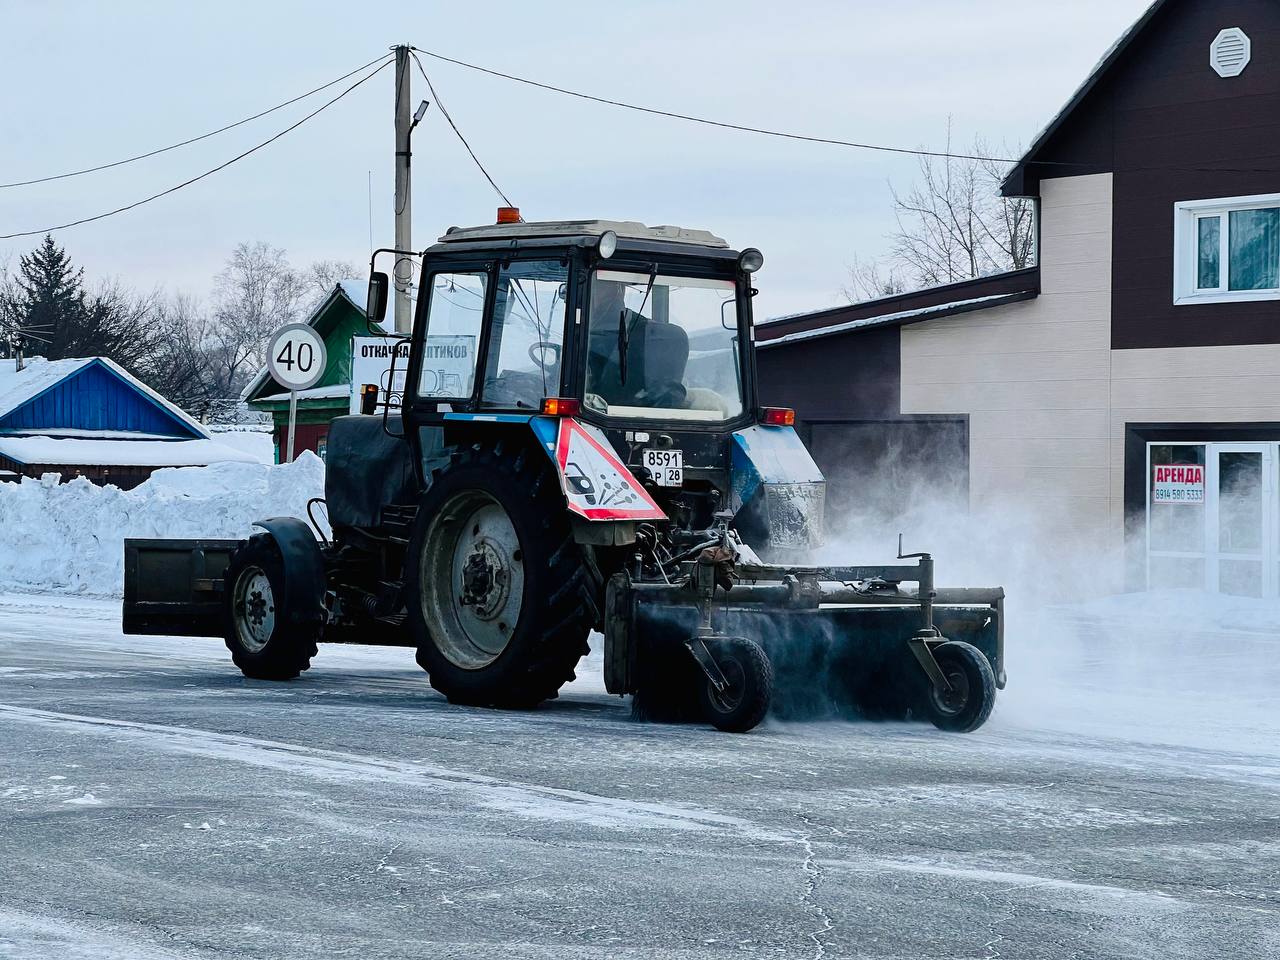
x: 376, y: 302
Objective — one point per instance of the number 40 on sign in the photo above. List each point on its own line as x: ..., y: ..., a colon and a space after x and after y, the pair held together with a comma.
x: 296, y: 359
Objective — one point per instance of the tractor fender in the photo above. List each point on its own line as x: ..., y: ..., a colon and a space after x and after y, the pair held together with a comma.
x: 304, y: 573
x: 604, y: 499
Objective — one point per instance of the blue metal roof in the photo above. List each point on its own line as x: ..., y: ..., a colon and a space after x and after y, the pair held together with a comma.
x: 95, y: 397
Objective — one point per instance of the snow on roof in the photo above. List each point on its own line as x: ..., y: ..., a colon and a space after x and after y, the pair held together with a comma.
x: 920, y: 313
x: 133, y: 453
x: 356, y: 291
x: 312, y: 393
x: 19, y: 386
x: 39, y: 374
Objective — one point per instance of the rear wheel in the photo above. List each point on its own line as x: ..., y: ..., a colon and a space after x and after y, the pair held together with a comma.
x: 744, y: 701
x: 265, y: 641
x: 966, y: 706
x: 500, y: 597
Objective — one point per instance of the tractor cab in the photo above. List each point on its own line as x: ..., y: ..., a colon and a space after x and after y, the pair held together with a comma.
x: 641, y: 333
x: 641, y: 326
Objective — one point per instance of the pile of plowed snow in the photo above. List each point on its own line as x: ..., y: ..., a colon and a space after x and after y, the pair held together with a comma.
x: 69, y: 537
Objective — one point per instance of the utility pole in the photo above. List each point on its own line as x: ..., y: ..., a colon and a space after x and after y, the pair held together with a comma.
x: 402, y: 275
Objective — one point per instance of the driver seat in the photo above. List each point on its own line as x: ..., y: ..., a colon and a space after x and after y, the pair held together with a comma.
x: 657, y: 355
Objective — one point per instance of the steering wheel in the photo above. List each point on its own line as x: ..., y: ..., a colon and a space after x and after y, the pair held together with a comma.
x: 539, y: 350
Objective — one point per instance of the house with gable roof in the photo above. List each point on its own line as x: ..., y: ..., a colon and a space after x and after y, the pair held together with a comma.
x: 338, y: 318
x: 89, y: 417
x: 1125, y: 392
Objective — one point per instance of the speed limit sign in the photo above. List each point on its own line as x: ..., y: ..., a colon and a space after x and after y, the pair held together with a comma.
x: 296, y: 356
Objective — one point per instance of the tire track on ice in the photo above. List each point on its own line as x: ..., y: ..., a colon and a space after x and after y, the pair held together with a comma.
x: 527, y: 800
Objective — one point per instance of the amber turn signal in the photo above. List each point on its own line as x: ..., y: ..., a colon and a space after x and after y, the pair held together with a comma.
x: 560, y: 407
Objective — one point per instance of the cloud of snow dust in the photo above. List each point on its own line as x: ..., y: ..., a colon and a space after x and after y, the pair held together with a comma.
x: 1181, y: 667
x: 69, y: 537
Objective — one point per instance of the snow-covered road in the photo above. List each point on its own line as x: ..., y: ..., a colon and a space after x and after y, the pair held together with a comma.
x: 155, y: 804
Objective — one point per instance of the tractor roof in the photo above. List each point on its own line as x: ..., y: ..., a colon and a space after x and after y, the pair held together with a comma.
x: 626, y: 229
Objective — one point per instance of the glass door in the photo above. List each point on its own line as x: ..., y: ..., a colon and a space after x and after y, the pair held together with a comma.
x: 1240, y: 519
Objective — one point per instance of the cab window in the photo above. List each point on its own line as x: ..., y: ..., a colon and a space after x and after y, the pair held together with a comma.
x: 455, y: 311
x: 663, y: 347
x: 526, y: 339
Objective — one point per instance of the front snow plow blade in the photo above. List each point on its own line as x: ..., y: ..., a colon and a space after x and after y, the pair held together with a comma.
x: 842, y: 641
x: 175, y: 587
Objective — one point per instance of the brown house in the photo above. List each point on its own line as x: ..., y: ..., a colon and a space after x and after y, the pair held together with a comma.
x: 1128, y: 389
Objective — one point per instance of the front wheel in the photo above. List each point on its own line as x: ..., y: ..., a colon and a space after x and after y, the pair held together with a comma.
x: 266, y: 643
x: 966, y: 706
x: 744, y: 701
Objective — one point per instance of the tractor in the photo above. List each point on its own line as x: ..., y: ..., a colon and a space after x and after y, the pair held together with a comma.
x: 579, y: 446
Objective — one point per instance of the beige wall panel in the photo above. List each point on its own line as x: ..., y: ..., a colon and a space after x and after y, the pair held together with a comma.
x: 1064, y: 395
x: 1217, y: 393
x: 1044, y: 450
x: 1233, y: 361
x: 1012, y: 368
x: 1037, y: 424
x: 1047, y: 481
x: 976, y: 338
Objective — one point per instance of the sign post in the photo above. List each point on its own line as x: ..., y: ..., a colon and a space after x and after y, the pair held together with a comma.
x: 296, y: 359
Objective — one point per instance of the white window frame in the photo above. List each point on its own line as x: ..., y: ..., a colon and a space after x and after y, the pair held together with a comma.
x: 1186, y: 262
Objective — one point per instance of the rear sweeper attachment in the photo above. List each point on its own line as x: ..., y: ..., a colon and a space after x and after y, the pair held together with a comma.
x: 579, y: 446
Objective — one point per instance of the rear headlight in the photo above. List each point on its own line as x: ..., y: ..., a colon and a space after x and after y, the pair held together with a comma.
x: 560, y: 407
x: 778, y: 416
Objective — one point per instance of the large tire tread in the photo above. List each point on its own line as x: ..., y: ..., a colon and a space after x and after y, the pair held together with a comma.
x: 566, y: 612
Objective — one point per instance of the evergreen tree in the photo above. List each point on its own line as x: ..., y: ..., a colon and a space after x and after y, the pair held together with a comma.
x: 48, y: 300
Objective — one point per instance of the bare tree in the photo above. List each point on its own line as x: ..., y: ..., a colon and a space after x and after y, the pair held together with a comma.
x: 183, y: 367
x: 952, y: 224
x: 256, y: 293
x: 869, y: 280
x: 323, y: 274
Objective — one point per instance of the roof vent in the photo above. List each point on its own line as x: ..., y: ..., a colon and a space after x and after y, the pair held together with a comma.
x: 1229, y: 52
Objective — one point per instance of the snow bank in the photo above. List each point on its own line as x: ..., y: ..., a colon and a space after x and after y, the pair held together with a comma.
x: 259, y: 444
x: 69, y: 537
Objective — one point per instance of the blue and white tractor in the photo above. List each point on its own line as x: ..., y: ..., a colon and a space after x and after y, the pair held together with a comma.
x: 580, y: 446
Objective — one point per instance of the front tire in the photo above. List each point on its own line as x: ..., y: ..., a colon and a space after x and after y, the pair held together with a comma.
x: 500, y: 597
x: 973, y: 688
x: 265, y: 642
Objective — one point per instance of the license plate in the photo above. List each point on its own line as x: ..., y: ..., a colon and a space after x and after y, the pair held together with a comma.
x: 666, y: 467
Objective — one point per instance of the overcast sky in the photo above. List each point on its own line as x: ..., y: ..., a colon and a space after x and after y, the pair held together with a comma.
x: 89, y: 82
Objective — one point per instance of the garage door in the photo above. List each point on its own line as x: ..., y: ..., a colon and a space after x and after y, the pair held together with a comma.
x: 883, y: 466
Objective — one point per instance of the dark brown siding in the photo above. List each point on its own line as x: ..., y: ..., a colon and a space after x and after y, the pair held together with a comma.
x: 1177, y: 111
x: 1170, y: 129
x: 850, y: 376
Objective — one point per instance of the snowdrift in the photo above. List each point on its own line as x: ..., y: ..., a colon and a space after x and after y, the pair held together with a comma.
x: 69, y: 537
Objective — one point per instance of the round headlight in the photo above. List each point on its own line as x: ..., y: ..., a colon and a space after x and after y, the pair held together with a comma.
x: 750, y: 260
x: 607, y: 244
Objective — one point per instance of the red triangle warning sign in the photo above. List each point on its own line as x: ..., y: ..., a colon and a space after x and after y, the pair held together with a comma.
x: 596, y: 483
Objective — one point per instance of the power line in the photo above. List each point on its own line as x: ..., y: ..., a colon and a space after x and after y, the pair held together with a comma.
x: 203, y: 136
x: 708, y: 122
x: 207, y: 173
x: 435, y: 96
x: 833, y: 141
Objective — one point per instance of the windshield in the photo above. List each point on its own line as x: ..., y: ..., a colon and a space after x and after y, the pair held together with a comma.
x: 663, y: 348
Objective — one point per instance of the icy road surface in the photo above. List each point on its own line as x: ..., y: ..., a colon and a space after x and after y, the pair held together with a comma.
x: 154, y: 804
